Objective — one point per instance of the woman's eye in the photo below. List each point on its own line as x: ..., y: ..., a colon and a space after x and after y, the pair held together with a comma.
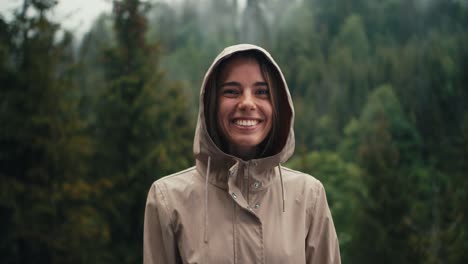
x: 229, y: 92
x: 263, y: 92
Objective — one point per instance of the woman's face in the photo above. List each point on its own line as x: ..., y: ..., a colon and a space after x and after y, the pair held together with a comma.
x: 244, y: 107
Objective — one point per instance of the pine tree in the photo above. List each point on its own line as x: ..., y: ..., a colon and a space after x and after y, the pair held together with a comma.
x: 387, y: 145
x: 142, y: 129
x: 46, y: 215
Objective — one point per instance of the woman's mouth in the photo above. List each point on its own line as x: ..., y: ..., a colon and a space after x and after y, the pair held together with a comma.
x: 246, y: 122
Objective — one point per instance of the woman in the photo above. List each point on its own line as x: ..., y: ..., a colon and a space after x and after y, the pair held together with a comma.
x: 238, y: 204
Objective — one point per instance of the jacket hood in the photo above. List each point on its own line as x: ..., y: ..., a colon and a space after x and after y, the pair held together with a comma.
x: 204, y: 145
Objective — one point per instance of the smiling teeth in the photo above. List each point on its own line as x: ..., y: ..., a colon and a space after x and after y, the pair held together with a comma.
x: 246, y: 122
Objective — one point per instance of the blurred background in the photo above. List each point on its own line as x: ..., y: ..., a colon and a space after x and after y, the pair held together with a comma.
x: 100, y: 100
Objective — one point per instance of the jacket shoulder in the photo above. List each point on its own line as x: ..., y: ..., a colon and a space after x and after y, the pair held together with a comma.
x: 178, y: 180
x: 300, y: 177
x: 304, y: 186
x: 178, y: 188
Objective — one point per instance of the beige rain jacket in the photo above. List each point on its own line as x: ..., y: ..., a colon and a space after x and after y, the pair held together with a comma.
x: 226, y: 210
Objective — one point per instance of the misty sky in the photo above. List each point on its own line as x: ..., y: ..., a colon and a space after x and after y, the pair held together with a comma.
x: 74, y: 15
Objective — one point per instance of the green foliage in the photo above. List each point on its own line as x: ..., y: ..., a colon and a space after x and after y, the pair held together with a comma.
x: 387, y: 145
x: 349, y: 70
x: 142, y: 131
x: 90, y: 75
x: 43, y: 147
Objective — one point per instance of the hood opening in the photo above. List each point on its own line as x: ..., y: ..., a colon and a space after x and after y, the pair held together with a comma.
x: 276, y: 140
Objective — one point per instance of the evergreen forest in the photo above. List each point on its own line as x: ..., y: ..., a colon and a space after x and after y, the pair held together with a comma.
x: 87, y: 123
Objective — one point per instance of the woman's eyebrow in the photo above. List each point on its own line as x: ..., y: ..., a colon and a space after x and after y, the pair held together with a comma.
x: 260, y: 84
x: 230, y: 84
x: 233, y: 83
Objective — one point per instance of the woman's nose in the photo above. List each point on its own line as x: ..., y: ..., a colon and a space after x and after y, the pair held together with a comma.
x: 247, y: 101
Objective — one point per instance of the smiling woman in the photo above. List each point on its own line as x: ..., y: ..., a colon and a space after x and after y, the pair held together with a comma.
x: 245, y: 99
x: 253, y: 209
x: 244, y: 108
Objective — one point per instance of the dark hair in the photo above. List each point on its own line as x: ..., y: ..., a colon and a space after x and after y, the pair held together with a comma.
x: 276, y: 139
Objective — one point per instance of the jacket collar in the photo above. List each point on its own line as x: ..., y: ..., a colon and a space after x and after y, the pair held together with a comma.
x: 226, y: 168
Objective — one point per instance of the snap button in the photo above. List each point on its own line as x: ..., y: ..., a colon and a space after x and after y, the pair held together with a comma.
x: 255, y: 163
x: 234, y: 195
x: 257, y: 206
x: 249, y: 208
x: 256, y: 185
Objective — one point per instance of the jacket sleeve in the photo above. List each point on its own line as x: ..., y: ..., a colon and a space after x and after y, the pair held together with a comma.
x: 159, y: 244
x: 322, y: 242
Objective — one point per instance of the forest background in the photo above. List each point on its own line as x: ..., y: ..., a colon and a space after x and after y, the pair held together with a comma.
x: 380, y: 91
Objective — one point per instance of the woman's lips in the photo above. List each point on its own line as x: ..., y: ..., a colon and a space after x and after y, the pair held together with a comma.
x: 246, y: 122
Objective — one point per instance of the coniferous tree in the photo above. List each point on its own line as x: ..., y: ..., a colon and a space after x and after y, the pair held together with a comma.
x: 142, y: 129
x: 45, y: 196
x: 349, y: 70
x: 386, y: 144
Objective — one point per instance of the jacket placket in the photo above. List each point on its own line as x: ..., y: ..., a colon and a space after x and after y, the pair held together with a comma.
x: 248, y: 228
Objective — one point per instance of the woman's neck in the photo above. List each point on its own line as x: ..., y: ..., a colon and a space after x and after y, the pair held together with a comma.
x: 243, y: 153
